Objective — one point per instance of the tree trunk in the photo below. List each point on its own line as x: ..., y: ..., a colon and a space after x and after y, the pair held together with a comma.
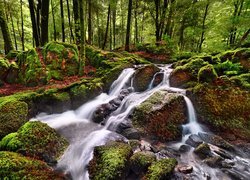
x: 110, y: 33
x: 62, y: 21
x: 5, y: 31
x: 77, y: 21
x: 13, y: 27
x: 22, y: 36
x: 98, y: 29
x: 54, y: 21
x: 128, y: 25
x: 69, y: 20
x: 114, y: 26
x: 34, y: 23
x: 203, y: 27
x: 107, y: 29
x: 38, y: 17
x: 82, y: 31
x: 136, y: 22
x: 44, y: 22
x: 90, y: 33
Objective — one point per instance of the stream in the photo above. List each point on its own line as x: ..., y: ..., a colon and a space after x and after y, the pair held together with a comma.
x: 83, y: 134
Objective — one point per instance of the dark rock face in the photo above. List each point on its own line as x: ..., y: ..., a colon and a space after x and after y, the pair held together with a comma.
x: 143, y: 77
x: 161, y: 115
x: 194, y: 140
x: 131, y: 133
x: 179, y: 78
x: 214, y: 161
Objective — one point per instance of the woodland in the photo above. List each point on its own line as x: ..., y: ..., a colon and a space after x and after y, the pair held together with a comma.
x: 125, y: 89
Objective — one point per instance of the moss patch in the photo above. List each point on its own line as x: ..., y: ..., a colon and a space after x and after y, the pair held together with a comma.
x: 16, y: 166
x: 207, y: 74
x: 36, y: 139
x: 110, y: 161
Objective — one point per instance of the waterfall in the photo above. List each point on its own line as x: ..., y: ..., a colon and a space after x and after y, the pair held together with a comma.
x: 84, y: 135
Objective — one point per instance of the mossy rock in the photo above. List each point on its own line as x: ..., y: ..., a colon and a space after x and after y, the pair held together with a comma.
x: 143, y: 76
x: 161, y: 115
x: 242, y: 80
x: 12, y: 76
x: 37, y: 140
x: 140, y: 161
x: 13, y: 114
x: 17, y: 166
x: 203, y: 151
x: 110, y: 162
x: 223, y: 108
x: 12, y: 54
x: 62, y: 57
x: 207, y: 74
x: 4, y: 67
x: 161, y: 170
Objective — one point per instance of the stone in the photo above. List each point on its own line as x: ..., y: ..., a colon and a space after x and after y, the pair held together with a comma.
x: 194, y: 140
x: 131, y: 133
x: 214, y: 161
x: 184, y: 148
x: 203, y: 151
x: 161, y: 115
x: 186, y: 169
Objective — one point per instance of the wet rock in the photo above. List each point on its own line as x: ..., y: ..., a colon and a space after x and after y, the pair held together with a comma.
x: 131, y: 133
x: 227, y: 164
x: 224, y: 154
x: 124, y: 125
x: 161, y: 115
x: 186, y: 169
x: 162, y: 169
x: 140, y: 161
x: 135, y: 144
x: 214, y: 161
x: 169, y: 152
x: 110, y: 161
x: 158, y: 79
x: 145, y: 146
x: 203, y: 151
x: 179, y: 78
x: 217, y: 141
x: 235, y: 174
x: 184, y: 148
x: 143, y: 77
x: 194, y: 140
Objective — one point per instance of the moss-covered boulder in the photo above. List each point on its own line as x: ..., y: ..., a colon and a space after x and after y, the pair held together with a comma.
x: 12, y: 76
x: 186, y: 73
x: 61, y: 59
x: 17, y: 166
x: 4, y: 67
x: 161, y: 115
x: 225, y: 109
x: 37, y: 140
x: 31, y: 72
x: 161, y: 170
x: 13, y: 114
x: 242, y: 80
x: 143, y: 77
x: 140, y: 161
x: 207, y: 74
x: 110, y: 162
x: 203, y: 151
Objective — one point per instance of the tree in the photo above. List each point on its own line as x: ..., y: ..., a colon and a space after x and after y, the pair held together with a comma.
x: 82, y: 29
x: 44, y: 22
x: 5, y: 30
x: 62, y: 21
x: 34, y: 23
x: 107, y: 29
x: 22, y: 36
x: 128, y: 25
x: 77, y: 21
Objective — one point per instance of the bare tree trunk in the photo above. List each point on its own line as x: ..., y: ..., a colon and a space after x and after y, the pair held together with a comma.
x: 114, y: 26
x: 44, y: 22
x: 107, y: 29
x: 77, y: 21
x: 62, y: 21
x: 13, y: 27
x: 110, y: 32
x: 128, y: 25
x: 54, y: 22
x: 34, y: 23
x: 98, y: 29
x: 82, y: 30
x: 69, y: 20
x: 22, y: 36
x: 90, y: 33
x: 38, y: 17
x: 203, y: 27
x: 136, y: 22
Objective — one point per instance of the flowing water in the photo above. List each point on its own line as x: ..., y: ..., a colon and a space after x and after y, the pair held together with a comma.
x: 84, y: 134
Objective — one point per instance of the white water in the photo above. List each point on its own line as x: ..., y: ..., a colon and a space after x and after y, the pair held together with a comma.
x: 84, y: 135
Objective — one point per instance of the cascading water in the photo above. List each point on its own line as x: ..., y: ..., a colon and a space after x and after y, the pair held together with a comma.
x: 84, y: 135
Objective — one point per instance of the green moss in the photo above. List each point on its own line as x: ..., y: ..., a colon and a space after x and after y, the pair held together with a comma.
x: 110, y: 161
x: 207, y: 74
x: 4, y: 67
x: 161, y: 169
x: 16, y: 166
x: 13, y: 114
x: 36, y: 139
x: 242, y: 80
x: 12, y: 54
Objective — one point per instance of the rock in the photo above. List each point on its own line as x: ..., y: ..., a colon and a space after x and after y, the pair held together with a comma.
x: 203, y: 151
x: 161, y: 115
x: 179, y: 77
x: 145, y: 146
x: 235, y: 174
x: 158, y: 79
x: 143, y: 77
x: 13, y: 114
x: 37, y: 140
x: 227, y: 164
x: 135, y: 144
x: 169, y: 152
x: 214, y: 161
x: 140, y: 161
x: 184, y: 148
x: 131, y: 133
x: 217, y: 141
x: 194, y: 140
x: 4, y: 67
x: 12, y: 76
x: 110, y: 161
x: 186, y: 169
x: 223, y: 154
x: 162, y: 169
x: 125, y: 124
x: 17, y: 166
x: 207, y: 74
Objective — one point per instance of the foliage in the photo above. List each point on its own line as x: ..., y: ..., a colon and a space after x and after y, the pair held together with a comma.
x: 207, y: 74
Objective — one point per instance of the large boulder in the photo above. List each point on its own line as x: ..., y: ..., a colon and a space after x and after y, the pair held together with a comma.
x: 207, y: 74
x: 37, y: 140
x: 4, y: 67
x: 17, y: 166
x: 143, y: 77
x: 162, y: 169
x: 161, y: 115
x: 110, y: 161
x: 13, y: 114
